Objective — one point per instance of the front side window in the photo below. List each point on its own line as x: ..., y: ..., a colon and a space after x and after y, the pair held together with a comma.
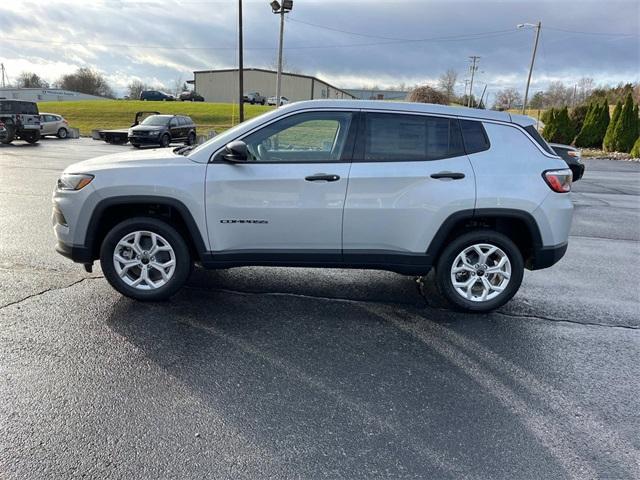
x: 305, y: 137
x: 397, y: 137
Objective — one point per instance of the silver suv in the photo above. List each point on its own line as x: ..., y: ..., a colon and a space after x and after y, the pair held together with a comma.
x: 476, y: 195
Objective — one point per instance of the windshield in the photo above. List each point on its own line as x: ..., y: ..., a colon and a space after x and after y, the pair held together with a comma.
x: 156, y: 120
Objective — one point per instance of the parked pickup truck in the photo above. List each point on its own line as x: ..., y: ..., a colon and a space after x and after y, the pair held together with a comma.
x: 254, y: 97
x: 120, y: 136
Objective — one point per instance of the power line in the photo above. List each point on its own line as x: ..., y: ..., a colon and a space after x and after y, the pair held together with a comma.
x: 608, y: 34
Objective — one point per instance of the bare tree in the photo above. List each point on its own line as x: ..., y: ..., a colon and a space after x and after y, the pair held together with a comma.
x: 85, y: 80
x: 136, y: 87
x: 584, y: 87
x: 176, y: 86
x: 558, y: 95
x: 447, y: 83
x: 30, y: 80
x: 507, y: 98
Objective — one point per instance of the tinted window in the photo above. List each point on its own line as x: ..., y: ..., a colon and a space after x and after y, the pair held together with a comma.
x: 182, y: 121
x: 531, y: 130
x: 475, y: 138
x: 155, y: 120
x: 174, y: 122
x: 306, y: 137
x: 393, y: 137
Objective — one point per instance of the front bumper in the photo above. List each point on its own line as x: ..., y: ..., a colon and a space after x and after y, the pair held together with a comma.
x: 77, y: 253
x: 144, y: 140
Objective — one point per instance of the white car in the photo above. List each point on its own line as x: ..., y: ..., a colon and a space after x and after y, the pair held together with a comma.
x: 273, y: 100
x: 53, y: 124
x: 476, y: 195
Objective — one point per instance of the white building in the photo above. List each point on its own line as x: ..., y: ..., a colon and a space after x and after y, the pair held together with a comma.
x: 222, y: 85
x: 45, y: 95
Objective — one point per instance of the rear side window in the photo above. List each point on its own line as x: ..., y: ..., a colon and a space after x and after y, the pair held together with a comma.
x: 531, y: 130
x: 393, y: 137
x: 182, y: 121
x: 475, y: 138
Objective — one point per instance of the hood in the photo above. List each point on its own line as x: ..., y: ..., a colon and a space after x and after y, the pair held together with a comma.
x: 154, y: 157
x: 147, y: 128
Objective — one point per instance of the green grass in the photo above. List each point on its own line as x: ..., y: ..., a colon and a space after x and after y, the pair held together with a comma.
x: 94, y: 114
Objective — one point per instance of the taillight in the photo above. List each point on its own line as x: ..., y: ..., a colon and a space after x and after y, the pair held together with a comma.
x: 558, y: 180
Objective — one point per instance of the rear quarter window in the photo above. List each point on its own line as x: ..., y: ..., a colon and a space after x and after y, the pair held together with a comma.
x: 474, y: 136
x: 531, y: 130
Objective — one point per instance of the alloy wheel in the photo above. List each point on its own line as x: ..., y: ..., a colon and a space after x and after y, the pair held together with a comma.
x: 481, y: 272
x: 144, y: 260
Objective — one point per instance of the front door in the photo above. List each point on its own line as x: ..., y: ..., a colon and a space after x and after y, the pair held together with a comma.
x: 409, y: 173
x: 288, y: 197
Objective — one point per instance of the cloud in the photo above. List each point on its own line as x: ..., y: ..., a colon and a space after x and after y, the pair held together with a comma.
x: 368, y: 42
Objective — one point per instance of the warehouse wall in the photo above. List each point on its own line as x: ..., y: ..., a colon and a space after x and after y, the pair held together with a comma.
x: 222, y: 86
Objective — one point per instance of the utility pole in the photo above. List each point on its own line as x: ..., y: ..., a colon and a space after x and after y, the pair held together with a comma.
x: 474, y: 67
x: 537, y: 26
x: 3, y: 75
x: 278, y: 9
x: 240, y: 66
x: 482, y: 96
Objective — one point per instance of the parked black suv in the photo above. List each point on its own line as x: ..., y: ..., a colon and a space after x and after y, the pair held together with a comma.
x: 163, y: 130
x: 157, y: 96
x: 19, y: 119
x: 191, y: 97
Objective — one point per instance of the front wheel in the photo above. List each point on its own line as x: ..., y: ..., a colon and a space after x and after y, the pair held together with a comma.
x: 145, y: 258
x: 165, y: 140
x: 479, y: 271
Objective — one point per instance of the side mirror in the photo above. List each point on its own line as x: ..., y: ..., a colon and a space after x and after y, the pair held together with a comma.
x: 236, y: 151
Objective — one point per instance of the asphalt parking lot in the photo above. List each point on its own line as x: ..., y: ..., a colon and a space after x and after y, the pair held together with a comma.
x: 306, y: 373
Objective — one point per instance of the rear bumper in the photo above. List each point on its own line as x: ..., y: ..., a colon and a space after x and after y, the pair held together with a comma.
x: 544, y: 257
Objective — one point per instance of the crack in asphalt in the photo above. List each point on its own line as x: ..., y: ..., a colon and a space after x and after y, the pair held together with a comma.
x: 566, y: 320
x: 52, y: 289
x: 341, y: 300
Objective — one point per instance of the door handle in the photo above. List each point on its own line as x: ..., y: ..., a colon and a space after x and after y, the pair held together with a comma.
x: 322, y: 176
x: 451, y: 175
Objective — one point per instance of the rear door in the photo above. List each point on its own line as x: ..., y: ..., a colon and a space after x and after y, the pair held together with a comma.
x: 409, y: 173
x: 289, y: 197
x: 175, y: 128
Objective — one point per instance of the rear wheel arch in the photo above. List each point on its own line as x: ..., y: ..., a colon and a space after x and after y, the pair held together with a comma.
x: 111, y: 211
x: 518, y: 225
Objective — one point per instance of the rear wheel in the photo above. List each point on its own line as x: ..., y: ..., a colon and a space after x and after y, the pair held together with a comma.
x: 145, y: 258
x: 479, y: 271
x: 10, y: 134
x: 31, y: 137
x: 62, y: 133
x: 191, y: 139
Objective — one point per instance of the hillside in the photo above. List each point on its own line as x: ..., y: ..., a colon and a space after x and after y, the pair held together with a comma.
x: 89, y: 115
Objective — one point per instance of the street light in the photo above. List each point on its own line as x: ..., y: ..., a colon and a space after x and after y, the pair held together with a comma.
x: 537, y: 26
x: 280, y: 9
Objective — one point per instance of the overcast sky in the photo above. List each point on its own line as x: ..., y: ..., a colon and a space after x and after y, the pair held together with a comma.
x: 386, y: 42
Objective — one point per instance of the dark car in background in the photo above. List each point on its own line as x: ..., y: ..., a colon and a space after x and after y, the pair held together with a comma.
x: 191, y: 96
x: 19, y: 119
x: 572, y: 157
x: 163, y: 130
x: 156, y: 96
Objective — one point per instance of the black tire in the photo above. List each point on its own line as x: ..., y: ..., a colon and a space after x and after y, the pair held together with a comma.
x: 135, y: 145
x: 191, y: 139
x: 62, y: 133
x: 452, y: 250
x: 252, y: 102
x: 262, y: 102
x: 10, y: 135
x: 31, y: 137
x: 170, y: 234
x: 165, y: 140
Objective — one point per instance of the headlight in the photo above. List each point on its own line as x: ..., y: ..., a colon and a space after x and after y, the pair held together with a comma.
x: 130, y: 132
x: 74, y: 181
x: 154, y: 133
